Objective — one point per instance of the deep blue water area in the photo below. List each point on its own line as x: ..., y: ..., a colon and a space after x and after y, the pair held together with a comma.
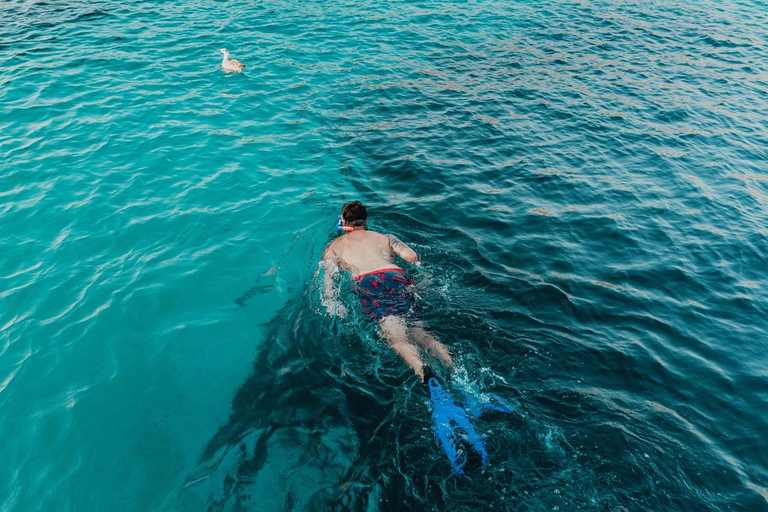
x: 586, y: 182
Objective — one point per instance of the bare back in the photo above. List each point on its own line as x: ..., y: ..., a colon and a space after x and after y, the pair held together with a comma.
x: 362, y: 251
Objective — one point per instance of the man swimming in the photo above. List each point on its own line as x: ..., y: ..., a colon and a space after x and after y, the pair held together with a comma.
x: 384, y: 291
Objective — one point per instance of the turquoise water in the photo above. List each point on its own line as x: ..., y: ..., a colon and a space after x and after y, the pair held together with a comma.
x: 586, y: 183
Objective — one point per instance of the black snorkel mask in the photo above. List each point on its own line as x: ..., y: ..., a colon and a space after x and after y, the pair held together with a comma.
x: 341, y: 228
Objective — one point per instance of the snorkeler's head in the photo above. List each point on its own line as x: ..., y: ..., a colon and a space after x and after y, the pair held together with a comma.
x: 354, y: 214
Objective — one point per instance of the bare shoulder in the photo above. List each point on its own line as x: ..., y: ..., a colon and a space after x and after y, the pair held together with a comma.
x: 331, y: 250
x: 378, y: 236
x: 393, y: 240
x: 380, y: 239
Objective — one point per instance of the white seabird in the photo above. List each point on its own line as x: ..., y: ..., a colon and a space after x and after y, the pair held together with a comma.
x: 230, y: 64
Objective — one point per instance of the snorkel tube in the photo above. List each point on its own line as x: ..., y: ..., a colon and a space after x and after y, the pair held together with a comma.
x: 341, y: 228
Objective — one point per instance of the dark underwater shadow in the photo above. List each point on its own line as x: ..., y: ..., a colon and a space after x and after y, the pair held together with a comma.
x: 326, y: 421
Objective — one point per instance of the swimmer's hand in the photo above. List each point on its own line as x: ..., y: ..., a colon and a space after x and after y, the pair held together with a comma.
x: 335, y: 308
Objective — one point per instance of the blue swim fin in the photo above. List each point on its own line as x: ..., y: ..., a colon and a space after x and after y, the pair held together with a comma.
x: 478, y: 404
x: 454, y: 430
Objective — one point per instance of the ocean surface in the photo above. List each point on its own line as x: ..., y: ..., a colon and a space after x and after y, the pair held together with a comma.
x: 586, y: 182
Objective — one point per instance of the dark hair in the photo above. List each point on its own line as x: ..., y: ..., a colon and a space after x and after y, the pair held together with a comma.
x: 354, y: 211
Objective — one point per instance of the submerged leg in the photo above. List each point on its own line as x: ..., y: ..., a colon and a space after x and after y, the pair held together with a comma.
x: 393, y: 329
x: 431, y: 344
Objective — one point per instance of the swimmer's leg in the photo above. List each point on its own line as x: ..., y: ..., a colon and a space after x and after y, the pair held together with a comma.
x: 430, y: 344
x: 394, y: 330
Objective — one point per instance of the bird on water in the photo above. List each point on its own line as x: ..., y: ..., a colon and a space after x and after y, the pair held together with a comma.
x: 231, y: 64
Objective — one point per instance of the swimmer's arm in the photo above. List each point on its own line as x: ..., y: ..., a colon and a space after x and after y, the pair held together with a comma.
x: 330, y: 297
x: 402, y: 250
x: 331, y: 271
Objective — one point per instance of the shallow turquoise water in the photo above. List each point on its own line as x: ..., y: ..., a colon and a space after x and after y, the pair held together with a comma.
x: 586, y: 183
